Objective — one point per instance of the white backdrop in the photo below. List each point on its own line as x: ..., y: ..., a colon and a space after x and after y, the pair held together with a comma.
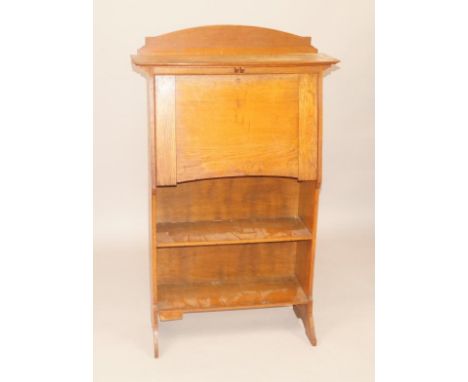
x: 211, y: 346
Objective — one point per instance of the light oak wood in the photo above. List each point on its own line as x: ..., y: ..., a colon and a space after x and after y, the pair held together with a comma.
x: 229, y: 45
x: 215, y: 47
x: 231, y: 232
x: 152, y: 200
x: 165, y: 130
x: 308, y: 127
x: 305, y: 313
x: 154, y: 272
x: 236, y: 126
x: 170, y: 315
x: 235, y: 152
x: 319, y: 127
x: 260, y: 113
x: 231, y: 68
x: 222, y: 295
x: 305, y: 254
x: 287, y: 59
x: 308, y: 211
x: 192, y: 265
x: 228, y: 198
x: 220, y: 40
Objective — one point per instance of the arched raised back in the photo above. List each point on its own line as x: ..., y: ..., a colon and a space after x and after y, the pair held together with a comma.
x: 222, y: 39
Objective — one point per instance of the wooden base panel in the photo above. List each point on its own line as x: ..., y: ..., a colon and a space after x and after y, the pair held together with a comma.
x: 302, y: 311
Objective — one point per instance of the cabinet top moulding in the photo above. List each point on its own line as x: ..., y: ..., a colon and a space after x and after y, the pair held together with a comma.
x: 227, y: 45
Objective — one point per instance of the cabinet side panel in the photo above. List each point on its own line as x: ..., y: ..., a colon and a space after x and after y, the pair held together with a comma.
x: 308, y: 126
x: 152, y: 206
x: 165, y: 131
x: 151, y: 132
x: 305, y: 255
x: 320, y: 127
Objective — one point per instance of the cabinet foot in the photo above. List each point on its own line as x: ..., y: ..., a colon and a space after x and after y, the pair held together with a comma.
x: 156, y: 342
x: 155, y: 322
x: 304, y: 312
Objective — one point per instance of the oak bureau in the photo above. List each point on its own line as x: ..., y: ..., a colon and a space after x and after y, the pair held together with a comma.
x: 235, y: 130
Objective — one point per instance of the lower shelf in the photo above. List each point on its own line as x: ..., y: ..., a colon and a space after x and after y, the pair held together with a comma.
x: 239, y: 294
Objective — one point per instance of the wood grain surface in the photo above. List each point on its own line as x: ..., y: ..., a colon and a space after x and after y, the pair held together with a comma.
x: 236, y: 126
x: 235, y: 153
x: 228, y: 198
x: 165, y: 130
x: 241, y: 231
x: 222, y: 295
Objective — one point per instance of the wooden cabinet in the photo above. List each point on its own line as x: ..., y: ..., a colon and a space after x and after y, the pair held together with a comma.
x: 235, y: 159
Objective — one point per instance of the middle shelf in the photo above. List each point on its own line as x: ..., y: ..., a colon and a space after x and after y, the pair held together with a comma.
x: 255, y: 230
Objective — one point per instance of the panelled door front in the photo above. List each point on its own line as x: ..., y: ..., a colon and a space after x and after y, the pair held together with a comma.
x: 211, y: 126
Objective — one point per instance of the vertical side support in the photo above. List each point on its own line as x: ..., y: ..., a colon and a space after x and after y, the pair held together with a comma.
x: 319, y: 128
x: 305, y: 255
x: 166, y: 167
x: 309, y: 193
x: 152, y: 204
x: 308, y: 126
